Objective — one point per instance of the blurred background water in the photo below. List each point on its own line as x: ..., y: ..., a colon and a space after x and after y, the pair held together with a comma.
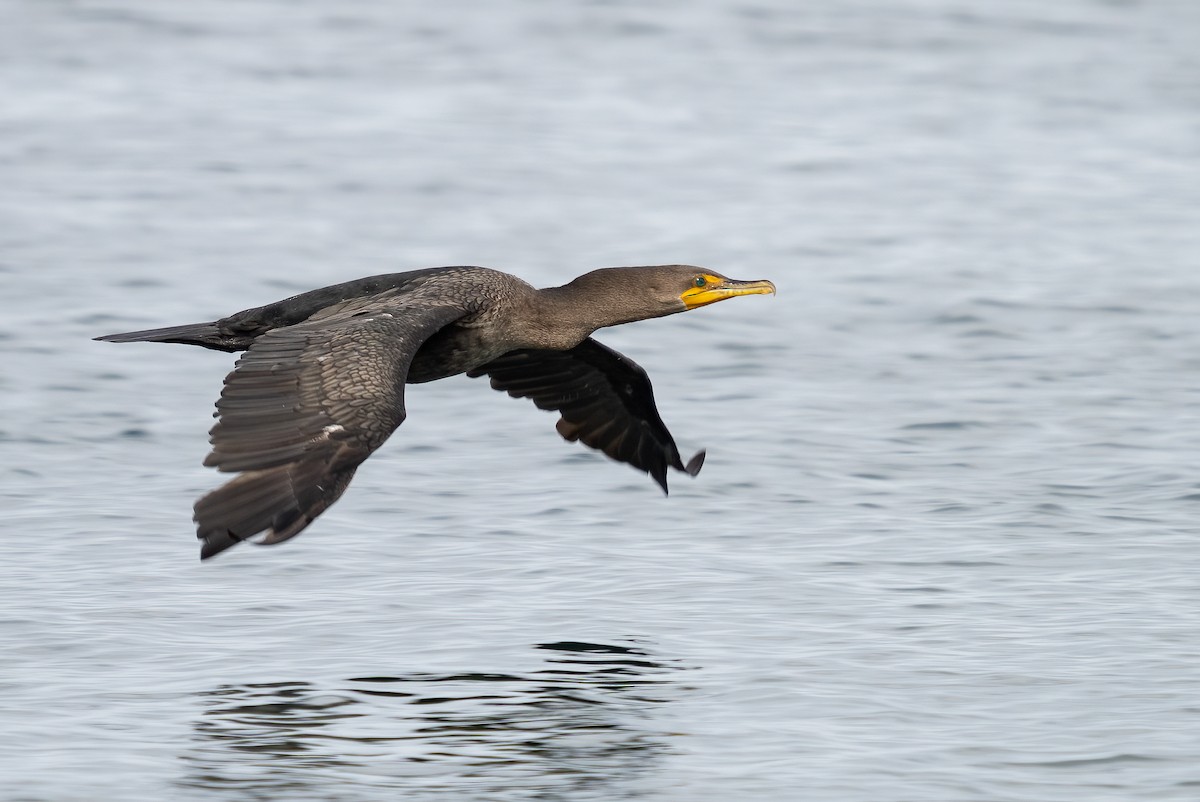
x: 944, y: 547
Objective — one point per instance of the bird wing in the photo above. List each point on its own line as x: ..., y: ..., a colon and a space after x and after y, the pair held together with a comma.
x: 605, y: 400
x: 304, y: 406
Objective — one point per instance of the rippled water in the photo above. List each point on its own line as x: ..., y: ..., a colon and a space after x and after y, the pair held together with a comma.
x: 943, y: 548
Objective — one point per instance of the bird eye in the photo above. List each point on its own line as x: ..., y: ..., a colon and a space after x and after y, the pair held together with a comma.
x: 701, y: 281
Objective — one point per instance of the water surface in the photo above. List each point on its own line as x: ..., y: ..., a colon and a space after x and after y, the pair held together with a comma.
x: 943, y: 547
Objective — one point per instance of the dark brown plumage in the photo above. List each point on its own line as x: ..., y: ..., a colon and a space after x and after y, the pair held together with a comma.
x: 321, y: 385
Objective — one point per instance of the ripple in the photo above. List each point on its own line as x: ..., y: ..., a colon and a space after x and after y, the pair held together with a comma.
x: 950, y: 425
x: 585, y: 721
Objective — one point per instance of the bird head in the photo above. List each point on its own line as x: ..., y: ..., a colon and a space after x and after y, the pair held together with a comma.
x: 703, y: 287
x: 615, y: 295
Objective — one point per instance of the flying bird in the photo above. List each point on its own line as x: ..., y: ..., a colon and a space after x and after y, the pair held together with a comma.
x: 321, y: 383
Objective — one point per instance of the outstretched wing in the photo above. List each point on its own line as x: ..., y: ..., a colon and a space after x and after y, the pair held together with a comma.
x: 303, y: 408
x: 605, y: 400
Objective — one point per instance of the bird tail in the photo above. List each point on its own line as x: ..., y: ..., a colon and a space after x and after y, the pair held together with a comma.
x: 207, y: 335
x: 280, y: 501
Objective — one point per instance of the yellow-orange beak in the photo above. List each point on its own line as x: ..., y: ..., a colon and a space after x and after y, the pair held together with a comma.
x: 719, y: 288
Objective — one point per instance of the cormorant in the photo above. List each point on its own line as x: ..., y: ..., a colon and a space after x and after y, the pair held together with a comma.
x: 321, y: 385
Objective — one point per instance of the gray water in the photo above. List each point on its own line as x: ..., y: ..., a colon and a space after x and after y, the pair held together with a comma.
x: 944, y: 546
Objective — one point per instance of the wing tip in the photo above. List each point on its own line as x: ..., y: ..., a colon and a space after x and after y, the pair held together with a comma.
x: 692, y: 468
x: 213, y: 543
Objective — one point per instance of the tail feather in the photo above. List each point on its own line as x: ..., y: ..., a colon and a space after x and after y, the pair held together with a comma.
x: 279, y: 501
x: 207, y: 335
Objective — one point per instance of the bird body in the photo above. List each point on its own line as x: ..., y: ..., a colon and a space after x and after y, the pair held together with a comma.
x: 321, y: 383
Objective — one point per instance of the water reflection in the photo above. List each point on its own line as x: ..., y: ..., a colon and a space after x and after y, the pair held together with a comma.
x: 581, y: 725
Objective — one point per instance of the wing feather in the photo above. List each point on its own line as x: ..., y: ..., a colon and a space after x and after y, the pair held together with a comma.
x: 303, y: 407
x: 604, y: 398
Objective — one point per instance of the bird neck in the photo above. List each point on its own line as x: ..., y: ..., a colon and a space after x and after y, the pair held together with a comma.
x: 575, y: 310
x: 564, y: 318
